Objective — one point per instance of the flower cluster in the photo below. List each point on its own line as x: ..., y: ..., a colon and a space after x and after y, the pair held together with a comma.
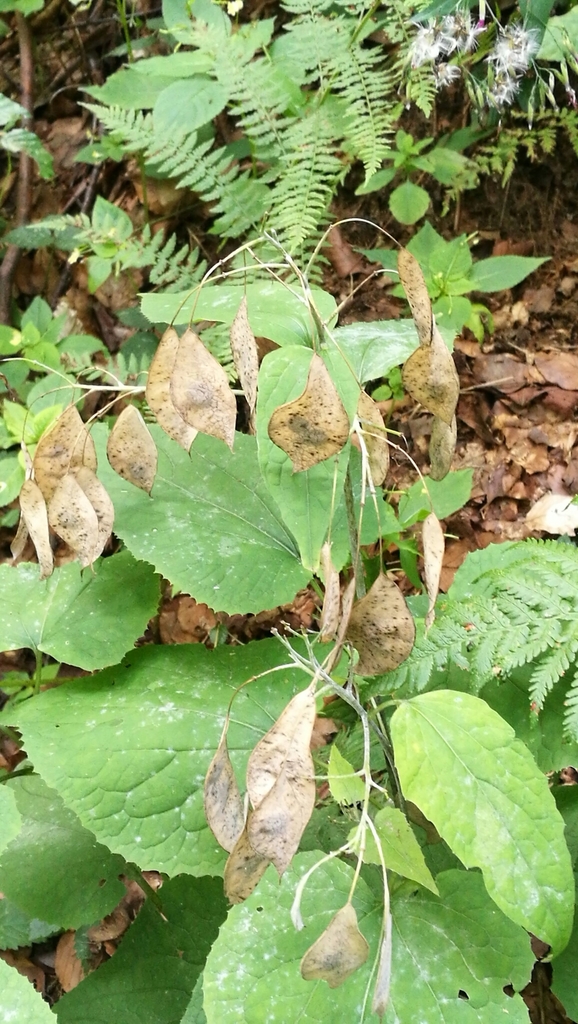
x: 456, y: 33
x: 512, y: 55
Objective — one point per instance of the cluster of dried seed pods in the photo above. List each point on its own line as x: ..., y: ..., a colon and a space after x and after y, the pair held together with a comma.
x: 429, y: 375
x: 281, y: 792
x: 64, y: 493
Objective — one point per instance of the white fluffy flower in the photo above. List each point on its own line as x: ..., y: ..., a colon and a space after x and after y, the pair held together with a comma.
x: 515, y: 49
x: 445, y: 74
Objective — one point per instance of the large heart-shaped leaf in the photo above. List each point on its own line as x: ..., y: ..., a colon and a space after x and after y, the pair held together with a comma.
x: 210, y: 525
x: 78, y: 617
x: 128, y: 749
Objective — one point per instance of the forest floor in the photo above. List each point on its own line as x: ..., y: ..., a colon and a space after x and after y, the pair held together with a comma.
x: 518, y: 410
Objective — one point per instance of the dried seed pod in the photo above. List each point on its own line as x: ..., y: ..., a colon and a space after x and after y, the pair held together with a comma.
x: 34, y: 519
x: 332, y: 598
x: 244, y: 870
x: 224, y: 809
x: 99, y: 499
x: 314, y: 426
x: 64, y: 448
x: 413, y: 281
x: 375, y: 438
x: 245, y: 354
x: 382, y: 629
x: 430, y: 377
x: 158, y: 392
x: 73, y: 519
x: 200, y: 390
x: 433, y: 556
x: 339, y: 951
x: 131, y: 450
x: 442, y: 447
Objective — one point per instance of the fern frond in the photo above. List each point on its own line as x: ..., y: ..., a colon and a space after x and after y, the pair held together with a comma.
x: 308, y: 178
x: 366, y: 90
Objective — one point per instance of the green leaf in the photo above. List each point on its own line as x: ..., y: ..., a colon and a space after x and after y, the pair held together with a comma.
x: 11, y: 478
x: 401, y: 850
x: 19, y: 140
x: 182, y: 64
x: 10, y: 112
x: 128, y: 749
x: 305, y: 499
x: 566, y: 798
x: 275, y: 310
x: 345, y: 786
x: 464, y: 768
x: 210, y: 525
x: 378, y: 180
x: 543, y: 732
x: 564, y: 971
x: 151, y: 977
x: 99, y: 270
x: 19, y: 929
x: 457, y: 943
x: 110, y: 221
x: 77, y: 617
x: 9, y: 816
x: 188, y: 104
x: 553, y: 46
x: 444, y: 497
x: 194, y: 1013
x: 500, y: 272
x: 130, y: 90
x: 18, y: 999
x: 374, y: 348
x: 54, y: 868
x: 252, y: 972
x: 408, y: 202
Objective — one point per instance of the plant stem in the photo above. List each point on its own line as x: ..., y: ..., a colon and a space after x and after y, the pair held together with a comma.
x: 353, y: 536
x: 37, y: 670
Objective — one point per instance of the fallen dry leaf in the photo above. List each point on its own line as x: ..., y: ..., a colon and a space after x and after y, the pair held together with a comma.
x: 339, y: 951
x: 314, y: 426
x: 560, y: 368
x: 554, y: 513
x: 224, y: 808
x: 381, y: 628
x: 282, y: 747
x: 200, y: 390
x: 158, y: 392
x: 131, y: 450
x: 413, y: 281
x: 34, y: 516
x: 430, y: 377
x: 67, y: 965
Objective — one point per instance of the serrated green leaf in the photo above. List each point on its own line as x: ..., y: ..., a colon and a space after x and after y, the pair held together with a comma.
x: 151, y: 977
x: 275, y: 311
x: 77, y: 617
x: 194, y: 1014
x: 566, y: 798
x: 252, y: 972
x: 19, y: 1001
x: 128, y: 749
x: 500, y: 272
x: 210, y: 525
x: 401, y: 850
x: 457, y: 943
x: 464, y: 768
x: 54, y: 868
x: 409, y: 202
x: 129, y: 90
x: 345, y: 786
x: 10, y: 817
